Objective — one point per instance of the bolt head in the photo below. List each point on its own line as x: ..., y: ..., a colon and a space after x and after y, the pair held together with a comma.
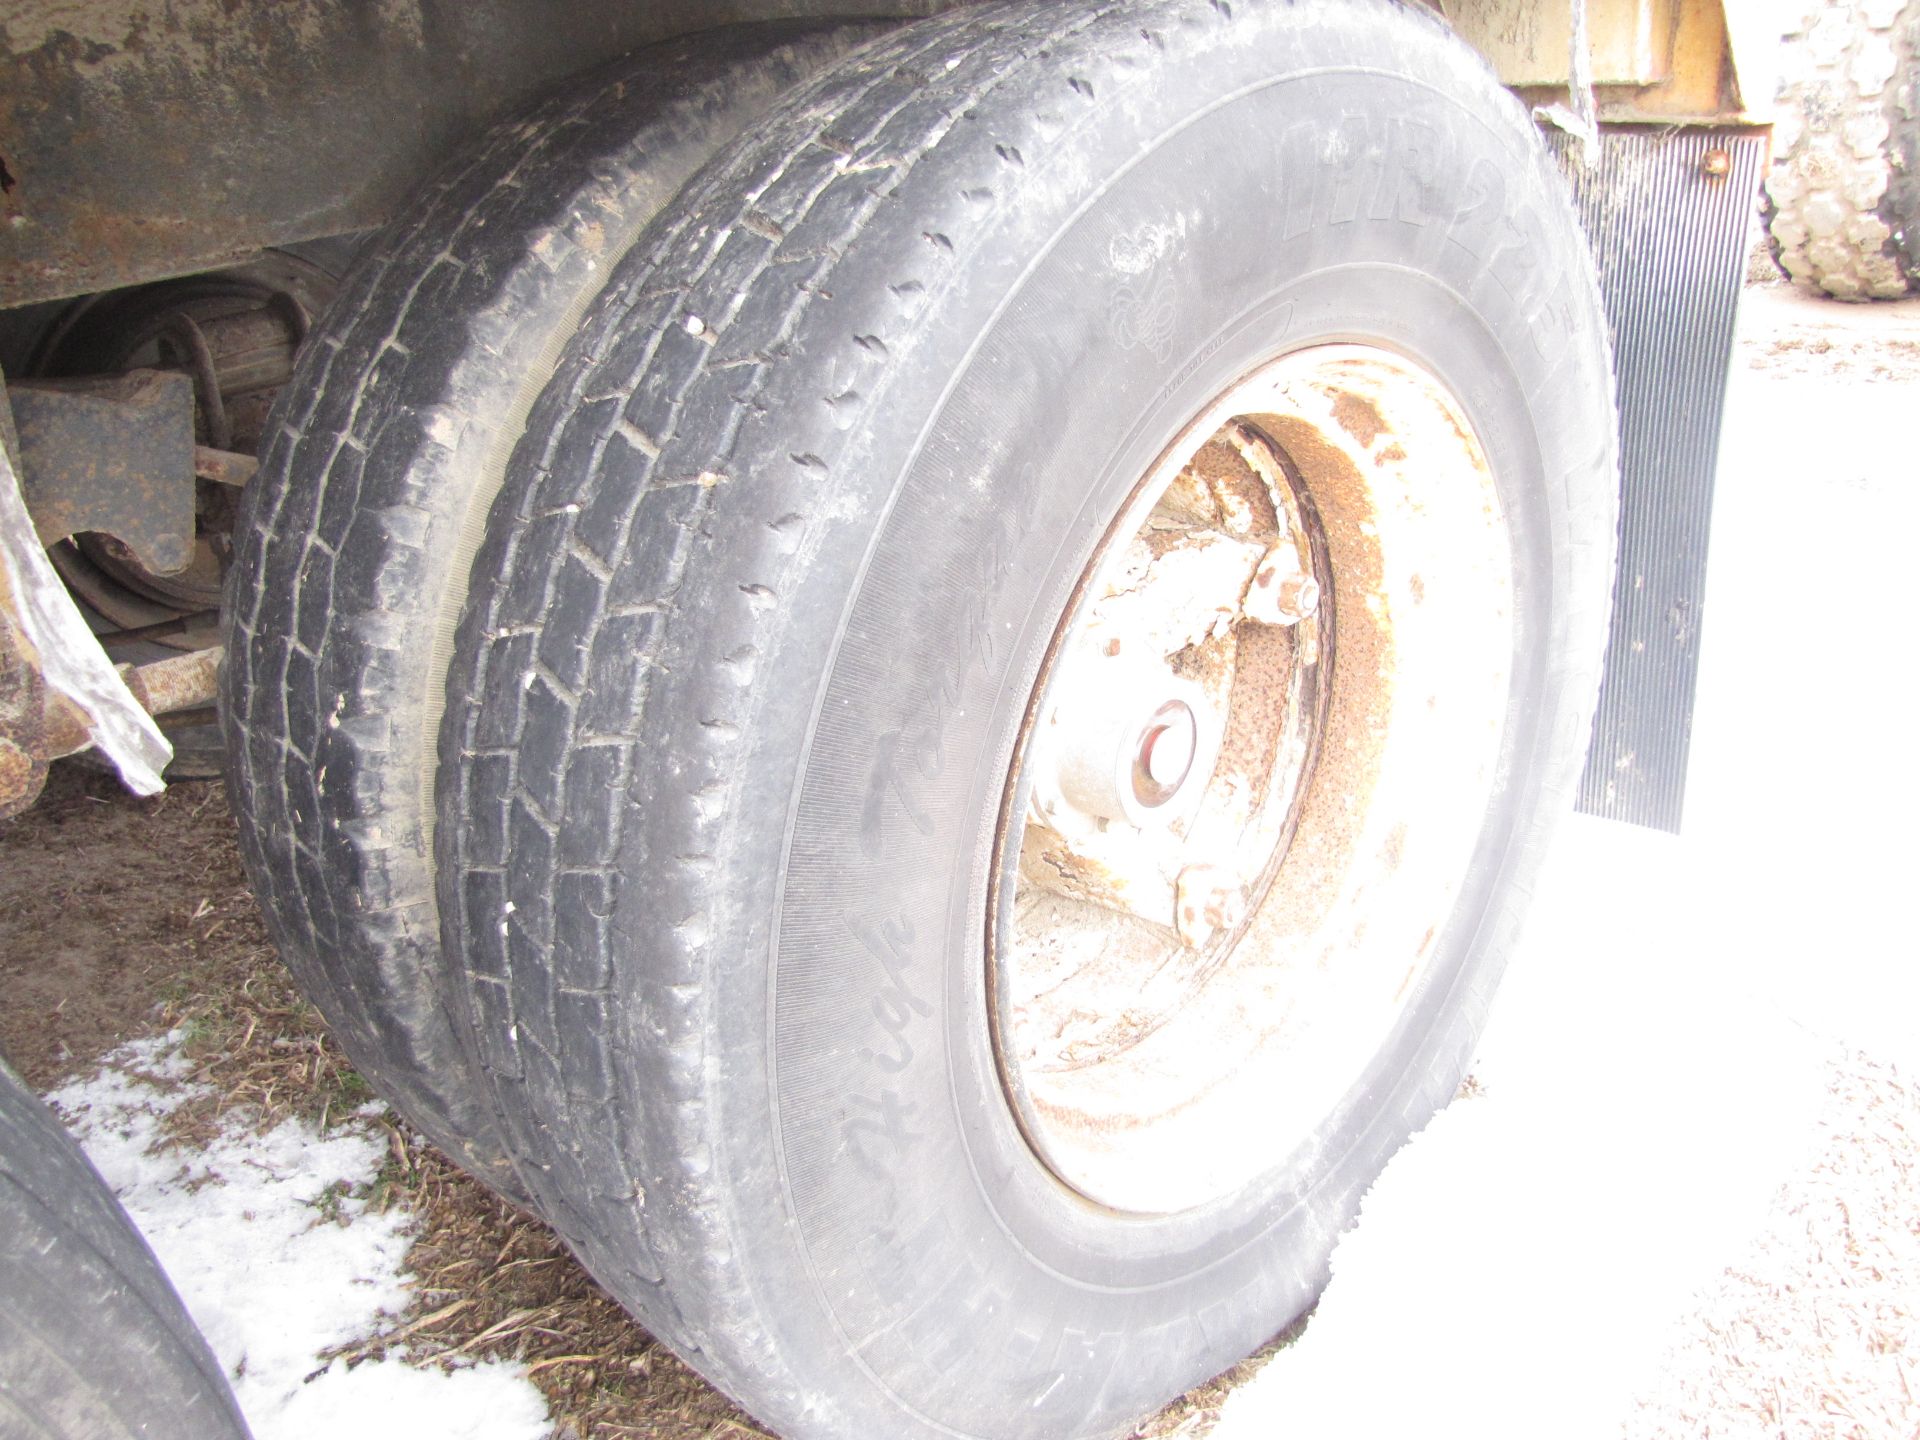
x: 1281, y: 592
x: 1297, y: 598
x: 1207, y: 900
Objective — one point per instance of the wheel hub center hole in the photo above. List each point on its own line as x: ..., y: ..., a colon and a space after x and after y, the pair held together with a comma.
x: 1164, y: 758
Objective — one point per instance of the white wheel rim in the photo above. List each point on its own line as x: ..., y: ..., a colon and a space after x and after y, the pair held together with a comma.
x: 1182, y: 991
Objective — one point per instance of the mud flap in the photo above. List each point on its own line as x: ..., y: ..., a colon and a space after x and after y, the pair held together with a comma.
x: 1669, y: 214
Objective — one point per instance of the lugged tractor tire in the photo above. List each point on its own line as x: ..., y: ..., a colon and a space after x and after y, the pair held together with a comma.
x: 352, y: 548
x: 1843, y: 195
x: 94, y: 1343
x: 748, y: 725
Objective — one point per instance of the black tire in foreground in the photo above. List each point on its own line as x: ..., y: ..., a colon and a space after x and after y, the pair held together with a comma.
x: 352, y: 549
x: 94, y: 1344
x: 742, y: 762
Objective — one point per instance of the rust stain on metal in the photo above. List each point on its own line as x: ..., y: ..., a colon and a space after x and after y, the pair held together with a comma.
x: 1130, y: 1052
x: 1349, y: 733
x: 180, y: 682
x: 1211, y: 898
x: 111, y: 455
x: 37, y: 723
x: 23, y: 697
x: 224, y: 467
x: 68, y: 730
x: 21, y: 777
x: 1358, y: 418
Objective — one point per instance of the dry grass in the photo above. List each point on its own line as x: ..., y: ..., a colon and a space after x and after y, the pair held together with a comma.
x: 1195, y: 1413
x: 493, y: 1283
x: 1814, y: 1334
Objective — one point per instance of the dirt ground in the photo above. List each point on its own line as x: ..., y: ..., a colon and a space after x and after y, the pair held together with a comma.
x: 112, y: 908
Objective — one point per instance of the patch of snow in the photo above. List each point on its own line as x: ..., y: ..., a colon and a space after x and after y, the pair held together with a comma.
x: 375, y: 1399
x: 279, y: 1260
x: 1635, y: 1113
x: 1638, y: 1220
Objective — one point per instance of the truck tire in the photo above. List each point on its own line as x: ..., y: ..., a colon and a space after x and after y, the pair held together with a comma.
x: 1843, y: 199
x: 94, y: 1344
x: 352, y: 548
x: 793, y: 577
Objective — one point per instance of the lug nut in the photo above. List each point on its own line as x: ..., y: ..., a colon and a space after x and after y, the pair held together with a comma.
x: 1207, y: 900
x: 1281, y: 593
x: 1296, y: 598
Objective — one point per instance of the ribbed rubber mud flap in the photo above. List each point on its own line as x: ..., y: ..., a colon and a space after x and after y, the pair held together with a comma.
x: 1669, y: 215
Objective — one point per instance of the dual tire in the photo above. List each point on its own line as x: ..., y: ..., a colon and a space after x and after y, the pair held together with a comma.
x: 732, y: 790
x: 353, y: 545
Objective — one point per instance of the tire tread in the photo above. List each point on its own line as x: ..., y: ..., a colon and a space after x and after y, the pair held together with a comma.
x: 353, y: 530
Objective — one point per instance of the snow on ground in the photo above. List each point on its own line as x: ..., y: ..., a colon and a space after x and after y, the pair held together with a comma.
x: 1686, y: 1199
x: 279, y: 1260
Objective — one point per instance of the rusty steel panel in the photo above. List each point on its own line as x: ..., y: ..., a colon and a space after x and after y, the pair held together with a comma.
x: 139, y: 141
x: 112, y: 454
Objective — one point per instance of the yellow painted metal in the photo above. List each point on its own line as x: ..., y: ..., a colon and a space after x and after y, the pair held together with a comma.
x: 1652, y: 61
x: 1699, y: 83
x: 1630, y: 40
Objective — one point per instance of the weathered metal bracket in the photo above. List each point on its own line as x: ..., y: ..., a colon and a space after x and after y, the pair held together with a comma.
x: 113, y: 454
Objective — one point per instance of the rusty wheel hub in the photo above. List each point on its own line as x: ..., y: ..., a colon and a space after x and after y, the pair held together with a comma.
x: 1250, y: 779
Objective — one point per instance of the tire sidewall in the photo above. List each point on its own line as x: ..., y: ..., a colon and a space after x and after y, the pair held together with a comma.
x: 900, y: 1233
